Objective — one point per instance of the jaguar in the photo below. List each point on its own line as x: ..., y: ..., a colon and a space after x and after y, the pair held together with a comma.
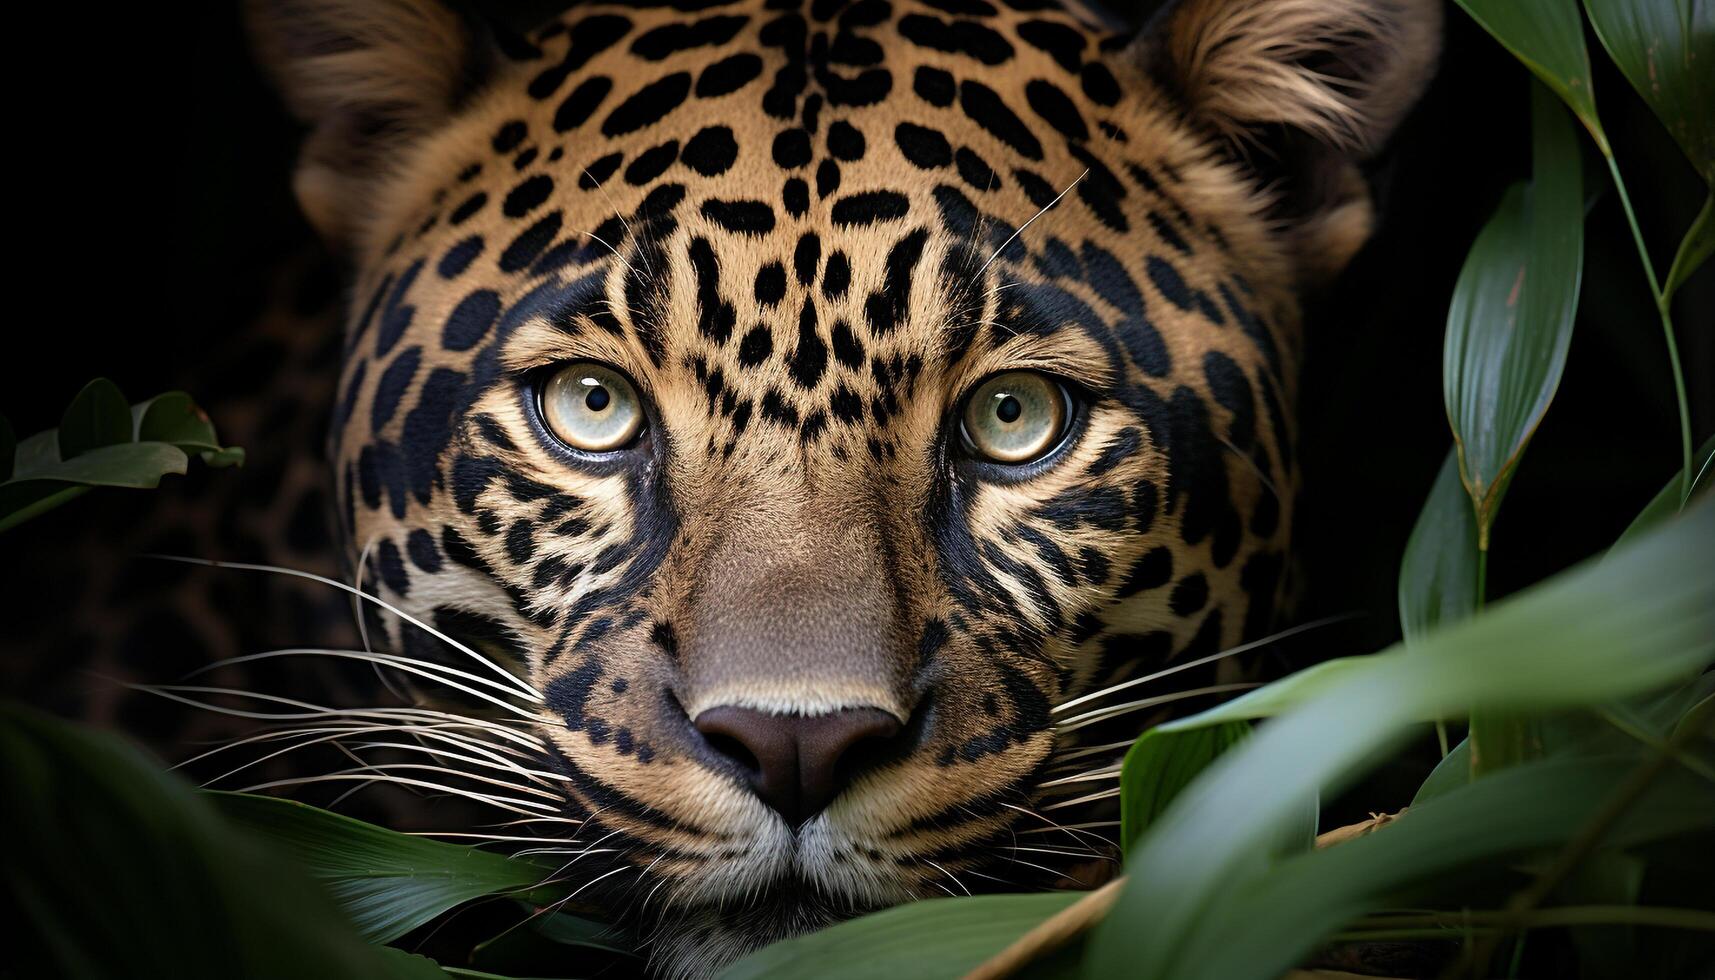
x: 795, y: 418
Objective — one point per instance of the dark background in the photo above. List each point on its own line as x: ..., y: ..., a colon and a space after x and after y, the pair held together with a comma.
x: 157, y: 164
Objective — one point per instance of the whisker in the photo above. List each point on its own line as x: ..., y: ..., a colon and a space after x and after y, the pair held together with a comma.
x: 1072, y: 826
x: 1111, y: 772
x: 1113, y: 711
x: 1106, y: 794
x: 949, y: 874
x: 362, y: 625
x: 377, y: 600
x: 410, y: 665
x: 1231, y: 651
x: 1027, y: 224
x: 500, y: 802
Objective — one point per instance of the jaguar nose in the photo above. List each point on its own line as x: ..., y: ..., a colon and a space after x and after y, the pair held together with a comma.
x: 797, y: 764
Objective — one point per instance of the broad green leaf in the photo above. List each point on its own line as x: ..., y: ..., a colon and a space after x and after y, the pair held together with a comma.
x: 1510, y: 321
x: 387, y: 883
x: 42, y: 486
x: 1666, y: 49
x: 539, y: 944
x: 1547, y: 36
x: 118, y: 869
x: 1694, y: 249
x: 400, y: 965
x: 1261, y: 930
x: 98, y: 416
x: 8, y: 446
x: 942, y: 937
x: 1640, y: 619
x: 1666, y: 503
x: 1438, y: 575
x: 111, y: 445
x: 138, y: 465
x: 1160, y: 764
x: 174, y: 418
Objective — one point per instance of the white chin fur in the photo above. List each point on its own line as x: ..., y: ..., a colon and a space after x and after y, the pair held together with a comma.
x: 724, y: 912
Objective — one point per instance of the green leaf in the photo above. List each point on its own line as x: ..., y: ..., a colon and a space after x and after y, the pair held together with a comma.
x: 97, y: 417
x: 1694, y: 249
x: 37, y: 487
x: 387, y: 883
x: 1438, y: 575
x: 1667, y: 51
x: 138, y: 465
x: 942, y: 937
x: 1547, y: 36
x: 174, y: 418
x: 1267, y: 926
x: 1160, y: 764
x: 1510, y: 322
x: 1608, y: 629
x: 1666, y: 503
x: 43, y: 473
x: 1449, y: 774
x: 118, y: 869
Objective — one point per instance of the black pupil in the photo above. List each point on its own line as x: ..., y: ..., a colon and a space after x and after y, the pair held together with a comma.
x: 597, y: 399
x: 1009, y: 409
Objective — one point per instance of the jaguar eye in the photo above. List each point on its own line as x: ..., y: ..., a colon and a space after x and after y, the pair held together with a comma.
x: 591, y: 407
x: 1016, y: 417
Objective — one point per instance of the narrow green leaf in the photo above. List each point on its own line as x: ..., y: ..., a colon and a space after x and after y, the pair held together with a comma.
x: 1667, y: 51
x: 1694, y: 249
x: 115, y: 868
x: 1666, y: 503
x: 942, y: 937
x: 1438, y: 575
x: 387, y: 883
x: 1160, y: 764
x: 1640, y: 619
x: 1449, y: 774
x: 1510, y: 321
x: 1268, y: 925
x: 98, y: 416
x: 8, y: 446
x: 1547, y: 36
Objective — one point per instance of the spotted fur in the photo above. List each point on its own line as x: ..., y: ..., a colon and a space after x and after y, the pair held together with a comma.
x: 806, y: 230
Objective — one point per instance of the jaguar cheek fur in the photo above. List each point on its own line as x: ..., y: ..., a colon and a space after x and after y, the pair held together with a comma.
x: 808, y: 401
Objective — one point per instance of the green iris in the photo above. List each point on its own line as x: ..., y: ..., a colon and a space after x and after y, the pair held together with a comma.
x: 592, y: 407
x: 1016, y: 417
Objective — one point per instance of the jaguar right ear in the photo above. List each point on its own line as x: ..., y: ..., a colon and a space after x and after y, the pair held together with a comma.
x: 1303, y: 90
x: 368, y: 77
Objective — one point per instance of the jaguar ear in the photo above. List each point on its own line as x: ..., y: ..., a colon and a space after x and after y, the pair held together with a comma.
x: 1303, y: 90
x: 367, y: 77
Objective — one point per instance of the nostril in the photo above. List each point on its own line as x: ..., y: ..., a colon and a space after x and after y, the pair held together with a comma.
x: 733, y: 749
x: 798, y: 764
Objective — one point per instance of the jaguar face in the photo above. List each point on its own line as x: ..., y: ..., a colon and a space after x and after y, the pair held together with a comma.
x: 804, y: 402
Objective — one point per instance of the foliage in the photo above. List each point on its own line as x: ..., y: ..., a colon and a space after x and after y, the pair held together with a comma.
x: 104, y: 442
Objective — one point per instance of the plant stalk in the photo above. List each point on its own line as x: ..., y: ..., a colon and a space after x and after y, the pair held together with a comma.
x: 1662, y: 308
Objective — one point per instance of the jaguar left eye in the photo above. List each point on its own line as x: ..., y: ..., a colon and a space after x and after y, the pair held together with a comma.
x: 1016, y: 417
x: 592, y: 407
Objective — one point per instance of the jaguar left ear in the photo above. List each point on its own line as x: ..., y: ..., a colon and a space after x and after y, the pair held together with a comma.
x: 368, y: 77
x: 1302, y: 90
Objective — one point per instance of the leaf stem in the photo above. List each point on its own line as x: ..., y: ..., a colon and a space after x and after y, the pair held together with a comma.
x: 1662, y: 307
